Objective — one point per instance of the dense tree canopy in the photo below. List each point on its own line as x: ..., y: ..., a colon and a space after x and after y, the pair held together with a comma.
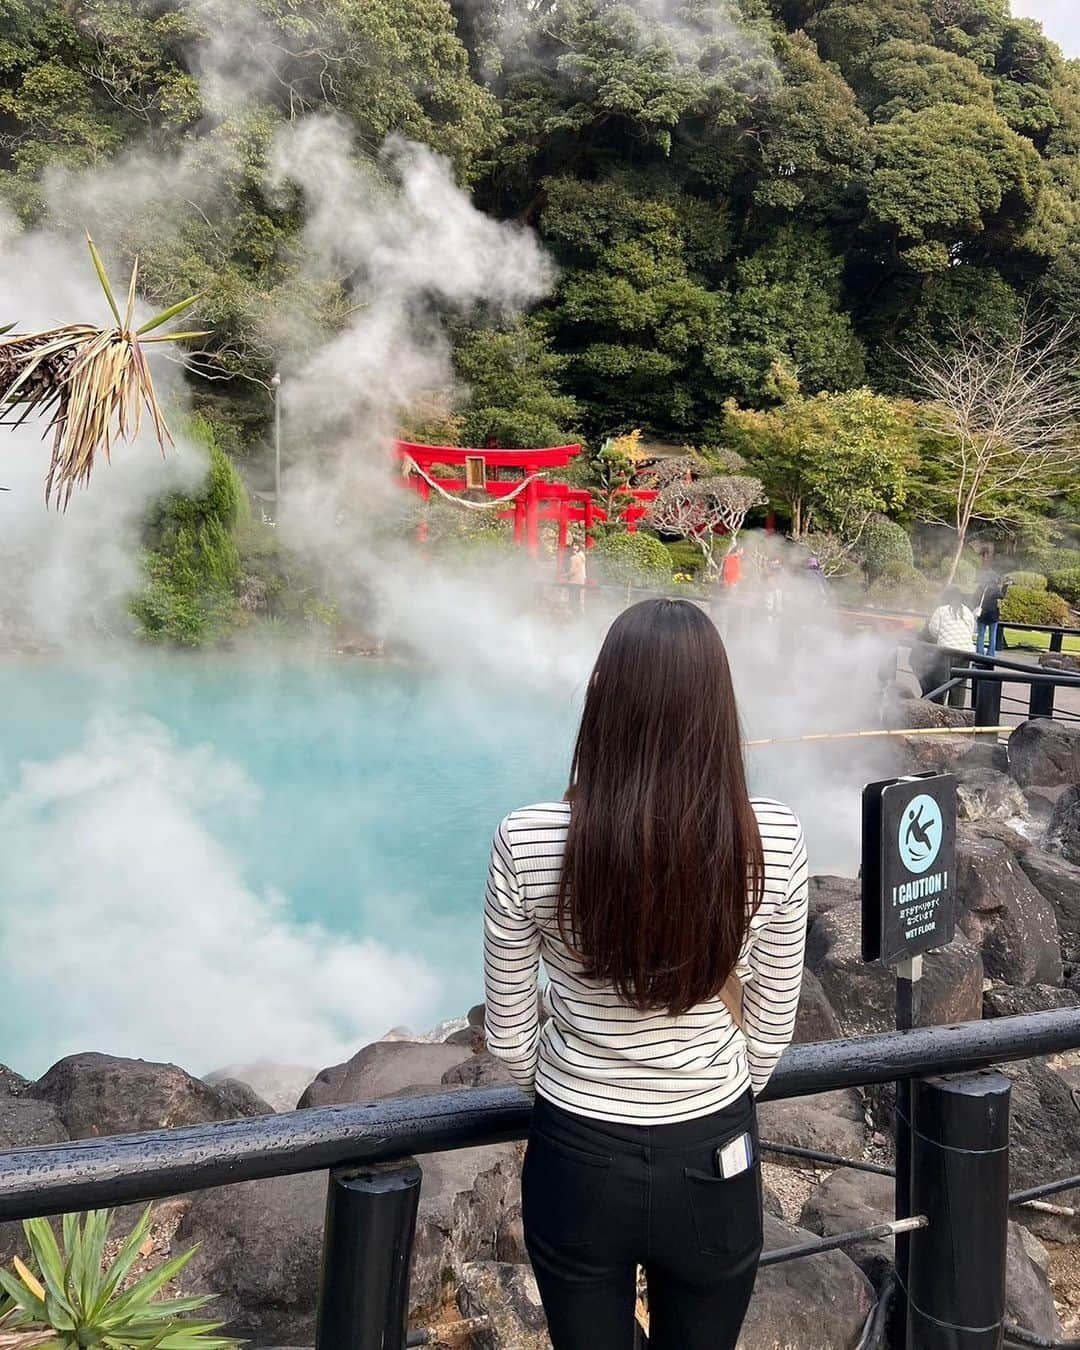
x: 729, y: 187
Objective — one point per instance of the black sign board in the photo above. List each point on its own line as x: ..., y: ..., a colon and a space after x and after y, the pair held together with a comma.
x: 909, y: 867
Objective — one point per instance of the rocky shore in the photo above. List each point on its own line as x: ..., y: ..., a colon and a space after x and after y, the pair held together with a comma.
x: 1018, y: 950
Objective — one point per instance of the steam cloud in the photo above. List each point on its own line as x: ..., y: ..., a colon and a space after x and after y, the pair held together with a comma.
x: 114, y: 861
x: 130, y: 919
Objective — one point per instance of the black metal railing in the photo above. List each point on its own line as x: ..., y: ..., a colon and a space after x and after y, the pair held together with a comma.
x: 990, y: 678
x: 1057, y: 634
x: 375, y: 1182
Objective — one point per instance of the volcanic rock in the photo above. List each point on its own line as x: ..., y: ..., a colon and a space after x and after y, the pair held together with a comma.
x: 11, y: 1083
x: 1045, y: 752
x: 826, y: 892
x: 847, y: 1201
x: 1004, y: 915
x: 815, y: 1019
x: 482, y: 1070
x: 96, y: 1094
x: 380, y: 1070
x: 1063, y: 832
x: 278, y: 1085
x: 830, y: 1122
x: 465, y: 1198
x: 816, y: 1305
x: 261, y: 1241
x: 240, y: 1099
x: 1005, y: 1000
x: 863, y: 996
x: 25, y: 1122
x: 260, y: 1252
x: 1058, y: 882
x: 902, y: 711
x: 1044, y: 1139
x: 985, y: 794
x: 507, y: 1298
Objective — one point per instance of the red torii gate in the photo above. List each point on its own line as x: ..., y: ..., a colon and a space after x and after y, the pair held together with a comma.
x: 538, y: 500
x: 561, y: 502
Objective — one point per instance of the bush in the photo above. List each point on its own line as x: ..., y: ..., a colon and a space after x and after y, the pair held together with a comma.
x: 1056, y: 560
x: 902, y: 585
x: 1027, y: 581
x: 685, y: 556
x: 192, y: 562
x: 1026, y: 604
x: 883, y: 543
x: 1066, y: 583
x: 632, y: 560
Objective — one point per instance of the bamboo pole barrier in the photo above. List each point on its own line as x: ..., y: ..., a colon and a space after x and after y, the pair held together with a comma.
x: 864, y: 735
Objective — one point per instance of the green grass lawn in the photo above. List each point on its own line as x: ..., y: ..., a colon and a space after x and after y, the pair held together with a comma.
x: 1040, y: 641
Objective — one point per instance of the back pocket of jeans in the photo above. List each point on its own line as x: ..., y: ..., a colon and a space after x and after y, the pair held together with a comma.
x: 562, y: 1191
x: 726, y: 1211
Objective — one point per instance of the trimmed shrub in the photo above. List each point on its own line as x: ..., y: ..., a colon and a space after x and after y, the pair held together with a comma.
x: 1027, y: 581
x: 632, y: 560
x: 1066, y: 583
x: 1025, y: 604
x: 685, y: 556
x: 883, y: 543
x: 903, y: 586
x: 1056, y: 560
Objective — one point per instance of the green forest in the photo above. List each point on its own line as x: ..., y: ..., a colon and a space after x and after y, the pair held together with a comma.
x: 773, y: 221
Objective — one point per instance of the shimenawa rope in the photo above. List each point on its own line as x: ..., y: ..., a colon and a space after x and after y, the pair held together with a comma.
x: 409, y: 465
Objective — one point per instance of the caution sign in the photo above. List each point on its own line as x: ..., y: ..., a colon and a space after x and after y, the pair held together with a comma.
x: 909, y: 867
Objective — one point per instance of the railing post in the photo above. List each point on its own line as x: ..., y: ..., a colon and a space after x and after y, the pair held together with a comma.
x: 987, y: 701
x: 1041, y: 700
x: 367, y: 1256
x: 1056, y: 637
x: 960, y: 1181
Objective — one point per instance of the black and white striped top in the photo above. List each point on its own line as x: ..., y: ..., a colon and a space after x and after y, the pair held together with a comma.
x: 595, y: 1054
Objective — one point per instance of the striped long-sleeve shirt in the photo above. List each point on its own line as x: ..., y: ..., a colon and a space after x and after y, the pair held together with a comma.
x: 596, y: 1054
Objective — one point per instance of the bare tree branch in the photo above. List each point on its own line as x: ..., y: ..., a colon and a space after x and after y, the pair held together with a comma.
x: 700, y: 509
x: 1008, y: 414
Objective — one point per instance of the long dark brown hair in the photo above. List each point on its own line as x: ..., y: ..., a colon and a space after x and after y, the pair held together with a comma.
x: 664, y: 866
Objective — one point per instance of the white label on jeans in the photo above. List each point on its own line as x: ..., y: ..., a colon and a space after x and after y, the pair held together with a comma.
x: 736, y: 1157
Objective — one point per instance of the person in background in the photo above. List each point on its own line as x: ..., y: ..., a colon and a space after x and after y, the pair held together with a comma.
x: 578, y: 573
x: 817, y: 576
x: 988, y: 615
x: 669, y: 910
x: 774, y: 587
x: 731, y: 568
x: 951, y: 625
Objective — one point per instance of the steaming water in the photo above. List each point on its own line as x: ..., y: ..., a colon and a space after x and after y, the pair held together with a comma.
x: 220, y: 860
x: 161, y: 818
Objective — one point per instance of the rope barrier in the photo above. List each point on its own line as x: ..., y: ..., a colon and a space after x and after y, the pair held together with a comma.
x: 409, y: 465
x: 858, y: 735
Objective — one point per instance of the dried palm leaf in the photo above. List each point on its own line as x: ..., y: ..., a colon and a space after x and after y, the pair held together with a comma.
x: 94, y: 383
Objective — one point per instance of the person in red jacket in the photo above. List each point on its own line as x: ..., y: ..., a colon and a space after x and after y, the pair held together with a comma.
x: 731, y: 568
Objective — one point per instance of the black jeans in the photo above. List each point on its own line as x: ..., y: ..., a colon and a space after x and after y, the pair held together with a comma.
x: 599, y: 1199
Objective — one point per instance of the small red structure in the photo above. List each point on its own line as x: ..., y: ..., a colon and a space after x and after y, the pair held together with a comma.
x: 537, y: 500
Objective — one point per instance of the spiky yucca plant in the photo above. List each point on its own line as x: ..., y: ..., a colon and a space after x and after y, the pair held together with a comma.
x: 76, y: 1299
x: 95, y: 382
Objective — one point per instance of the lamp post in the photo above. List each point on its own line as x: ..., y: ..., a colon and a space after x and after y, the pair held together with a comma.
x: 275, y: 384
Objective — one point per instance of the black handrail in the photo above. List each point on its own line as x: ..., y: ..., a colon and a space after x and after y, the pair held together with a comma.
x: 1059, y: 679
x: 122, y: 1169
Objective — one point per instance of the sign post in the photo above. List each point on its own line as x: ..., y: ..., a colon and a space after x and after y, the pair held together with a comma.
x: 908, y: 908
